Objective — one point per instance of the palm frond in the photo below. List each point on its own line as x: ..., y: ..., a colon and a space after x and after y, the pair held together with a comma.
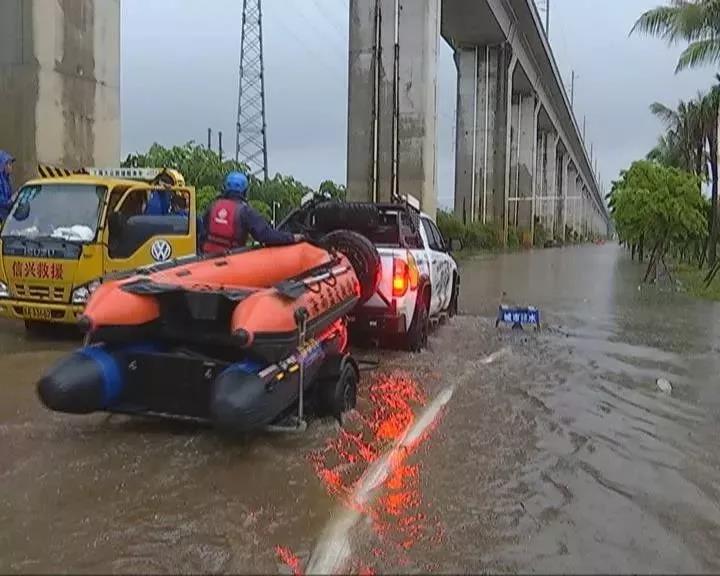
x: 659, y: 22
x: 700, y: 52
x: 666, y: 114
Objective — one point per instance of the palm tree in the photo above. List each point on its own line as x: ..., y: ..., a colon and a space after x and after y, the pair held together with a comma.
x: 683, y: 146
x: 696, y: 22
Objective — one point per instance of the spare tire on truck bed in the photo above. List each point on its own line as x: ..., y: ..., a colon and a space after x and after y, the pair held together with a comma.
x: 363, y: 256
x: 356, y: 216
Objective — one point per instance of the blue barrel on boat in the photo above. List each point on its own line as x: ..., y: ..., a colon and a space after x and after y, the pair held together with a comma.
x: 88, y: 380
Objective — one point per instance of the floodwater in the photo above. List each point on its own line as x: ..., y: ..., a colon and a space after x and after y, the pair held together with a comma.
x: 493, y: 451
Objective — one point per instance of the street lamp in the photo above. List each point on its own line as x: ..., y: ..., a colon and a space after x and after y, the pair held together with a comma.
x: 274, y: 206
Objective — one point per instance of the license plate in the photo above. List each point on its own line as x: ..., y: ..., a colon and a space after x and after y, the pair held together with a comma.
x: 37, y: 313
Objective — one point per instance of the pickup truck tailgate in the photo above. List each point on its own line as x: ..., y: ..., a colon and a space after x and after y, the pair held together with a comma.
x: 387, y: 255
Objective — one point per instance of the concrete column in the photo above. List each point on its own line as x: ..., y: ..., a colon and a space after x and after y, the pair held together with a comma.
x: 386, y: 99
x: 372, y: 100
x: 551, y: 158
x: 570, y: 197
x: 564, y: 166
x: 540, y: 208
x: 527, y: 141
x: 478, y: 108
x: 467, y: 133
x: 504, y: 157
x: 361, y: 149
x: 60, y: 83
x: 419, y: 38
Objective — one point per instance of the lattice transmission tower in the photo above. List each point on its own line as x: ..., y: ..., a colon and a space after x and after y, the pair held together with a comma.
x: 251, y: 147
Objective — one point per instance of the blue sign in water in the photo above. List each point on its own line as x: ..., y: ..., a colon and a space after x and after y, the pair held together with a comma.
x: 519, y: 316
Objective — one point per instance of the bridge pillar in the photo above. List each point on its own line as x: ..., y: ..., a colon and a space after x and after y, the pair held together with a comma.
x: 551, y: 189
x: 481, y: 112
x: 393, y: 102
x: 60, y: 83
x: 570, y: 192
x: 522, y: 174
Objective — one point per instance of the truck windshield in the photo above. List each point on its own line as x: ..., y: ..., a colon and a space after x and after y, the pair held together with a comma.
x: 63, y: 211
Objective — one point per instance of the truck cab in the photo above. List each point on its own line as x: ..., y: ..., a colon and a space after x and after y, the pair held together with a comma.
x: 64, y: 234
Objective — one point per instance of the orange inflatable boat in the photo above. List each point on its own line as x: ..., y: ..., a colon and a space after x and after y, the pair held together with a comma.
x: 249, y: 299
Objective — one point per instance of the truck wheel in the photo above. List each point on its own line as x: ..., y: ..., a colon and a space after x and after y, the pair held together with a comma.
x: 338, y: 395
x: 363, y: 256
x: 417, y: 335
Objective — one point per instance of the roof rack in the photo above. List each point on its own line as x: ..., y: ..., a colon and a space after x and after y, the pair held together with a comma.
x: 144, y: 174
x: 412, y: 202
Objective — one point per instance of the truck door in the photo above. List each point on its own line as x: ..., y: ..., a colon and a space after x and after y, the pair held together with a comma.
x: 138, y: 234
x: 433, y: 263
x: 443, y: 268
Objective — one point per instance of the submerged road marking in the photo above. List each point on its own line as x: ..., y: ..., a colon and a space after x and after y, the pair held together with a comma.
x: 332, y: 551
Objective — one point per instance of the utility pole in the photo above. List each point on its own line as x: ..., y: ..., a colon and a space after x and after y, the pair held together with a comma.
x: 572, y: 90
x: 251, y: 144
x: 209, y: 138
x: 547, y: 18
x: 584, y: 121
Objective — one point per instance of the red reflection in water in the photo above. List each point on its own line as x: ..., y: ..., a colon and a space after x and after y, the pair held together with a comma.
x: 287, y: 557
x: 397, y: 516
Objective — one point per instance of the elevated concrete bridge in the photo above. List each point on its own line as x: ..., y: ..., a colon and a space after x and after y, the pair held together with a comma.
x: 520, y: 158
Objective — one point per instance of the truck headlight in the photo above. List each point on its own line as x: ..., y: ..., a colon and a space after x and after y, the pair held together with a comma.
x: 4, y: 291
x: 82, y: 294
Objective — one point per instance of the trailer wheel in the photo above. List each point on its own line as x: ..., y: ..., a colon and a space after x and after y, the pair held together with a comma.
x: 363, y: 256
x: 338, y: 395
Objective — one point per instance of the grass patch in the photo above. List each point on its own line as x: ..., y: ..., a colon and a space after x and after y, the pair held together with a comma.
x: 693, y: 280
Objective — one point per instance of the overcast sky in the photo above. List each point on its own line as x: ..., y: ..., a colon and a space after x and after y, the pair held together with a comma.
x: 180, y: 75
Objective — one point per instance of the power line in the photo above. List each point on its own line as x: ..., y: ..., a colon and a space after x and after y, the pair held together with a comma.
x: 319, y: 33
x: 342, y: 36
x: 319, y: 57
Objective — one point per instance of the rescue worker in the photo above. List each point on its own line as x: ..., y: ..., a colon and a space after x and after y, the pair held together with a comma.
x: 6, y: 191
x: 158, y: 203
x: 229, y: 220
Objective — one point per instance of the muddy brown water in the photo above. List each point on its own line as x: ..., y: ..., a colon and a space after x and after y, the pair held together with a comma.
x: 555, y: 452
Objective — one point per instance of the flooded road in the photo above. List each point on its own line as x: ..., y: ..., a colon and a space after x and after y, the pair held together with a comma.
x: 492, y: 451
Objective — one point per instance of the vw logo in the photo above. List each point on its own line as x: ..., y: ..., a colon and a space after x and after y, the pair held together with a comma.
x: 161, y: 250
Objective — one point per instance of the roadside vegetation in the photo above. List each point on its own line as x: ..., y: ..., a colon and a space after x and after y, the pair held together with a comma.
x: 205, y: 170
x: 660, y: 211
x: 488, y: 237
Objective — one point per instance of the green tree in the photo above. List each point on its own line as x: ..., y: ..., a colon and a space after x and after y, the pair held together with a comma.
x: 203, y: 169
x: 661, y: 205
x: 200, y: 167
x: 338, y: 192
x: 697, y: 24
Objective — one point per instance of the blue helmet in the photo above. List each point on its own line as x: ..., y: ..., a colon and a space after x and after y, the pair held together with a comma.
x: 236, y: 183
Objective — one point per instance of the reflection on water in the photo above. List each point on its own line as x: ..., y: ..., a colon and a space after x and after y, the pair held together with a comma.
x: 366, y: 467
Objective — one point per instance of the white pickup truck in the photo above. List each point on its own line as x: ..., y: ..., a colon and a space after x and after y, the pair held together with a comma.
x: 418, y: 278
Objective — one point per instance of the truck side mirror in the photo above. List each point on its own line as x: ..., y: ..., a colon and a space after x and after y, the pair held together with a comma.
x: 455, y: 245
x: 22, y: 212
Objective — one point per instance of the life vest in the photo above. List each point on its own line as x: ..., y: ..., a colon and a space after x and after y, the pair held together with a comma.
x: 223, y: 232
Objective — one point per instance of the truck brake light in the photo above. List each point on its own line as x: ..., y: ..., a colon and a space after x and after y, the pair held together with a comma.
x: 401, y: 278
x: 406, y: 276
x: 414, y: 272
